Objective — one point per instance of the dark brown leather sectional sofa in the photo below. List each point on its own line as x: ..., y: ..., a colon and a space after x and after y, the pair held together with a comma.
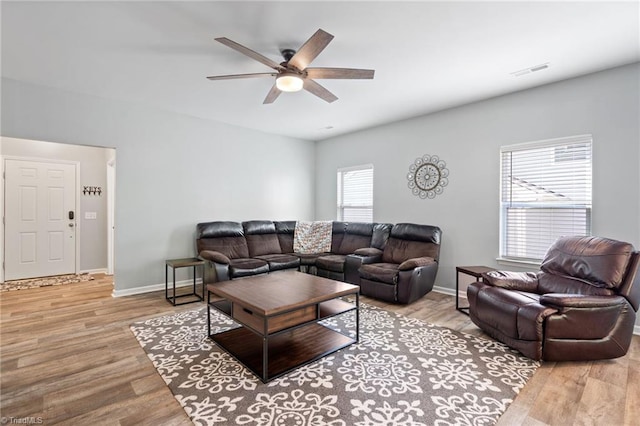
x: 395, y: 263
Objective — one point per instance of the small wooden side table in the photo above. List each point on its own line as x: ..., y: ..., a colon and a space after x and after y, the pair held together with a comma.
x: 474, y: 271
x: 183, y: 263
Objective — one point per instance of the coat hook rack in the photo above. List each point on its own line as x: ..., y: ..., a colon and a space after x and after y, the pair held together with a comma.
x: 92, y: 190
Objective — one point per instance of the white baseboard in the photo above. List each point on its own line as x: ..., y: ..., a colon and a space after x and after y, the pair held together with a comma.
x: 636, y: 330
x: 444, y: 290
x: 153, y: 287
x: 94, y: 271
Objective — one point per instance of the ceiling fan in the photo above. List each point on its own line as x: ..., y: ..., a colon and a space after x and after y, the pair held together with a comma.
x: 294, y: 73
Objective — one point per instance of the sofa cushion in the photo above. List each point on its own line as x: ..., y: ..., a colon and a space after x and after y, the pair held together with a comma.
x: 380, y: 272
x: 261, y: 237
x: 599, y: 261
x: 409, y: 240
x: 232, y: 247
x: 550, y: 283
x: 222, y: 236
x: 245, y: 267
x: 247, y: 263
x: 219, y: 229
x: 332, y: 262
x: 262, y: 244
x: 253, y: 227
x: 380, y: 235
x: 350, y: 243
x: 398, y: 250
x: 280, y: 261
x: 416, y: 232
x: 285, y: 230
x: 337, y: 234
x: 356, y: 235
x: 309, y: 259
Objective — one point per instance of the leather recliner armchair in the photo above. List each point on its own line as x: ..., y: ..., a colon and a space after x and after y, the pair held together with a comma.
x: 581, y: 305
x: 406, y: 269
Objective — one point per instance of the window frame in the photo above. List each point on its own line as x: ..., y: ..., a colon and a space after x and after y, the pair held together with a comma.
x: 504, y: 205
x: 340, y: 205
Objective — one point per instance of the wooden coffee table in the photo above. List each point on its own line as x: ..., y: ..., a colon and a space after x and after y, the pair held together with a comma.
x: 279, y: 315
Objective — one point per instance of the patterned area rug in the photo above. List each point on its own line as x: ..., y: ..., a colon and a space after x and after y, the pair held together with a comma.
x: 402, y: 372
x: 45, y: 281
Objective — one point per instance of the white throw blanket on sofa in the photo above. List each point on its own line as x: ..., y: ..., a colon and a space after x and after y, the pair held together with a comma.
x: 312, y: 237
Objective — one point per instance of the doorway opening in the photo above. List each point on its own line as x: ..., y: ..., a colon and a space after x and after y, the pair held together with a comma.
x: 88, y: 221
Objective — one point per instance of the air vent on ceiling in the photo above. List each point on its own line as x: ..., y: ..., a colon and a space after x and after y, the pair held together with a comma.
x: 529, y: 70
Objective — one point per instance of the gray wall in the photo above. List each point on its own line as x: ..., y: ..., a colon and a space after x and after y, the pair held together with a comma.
x: 173, y: 171
x: 468, y: 138
x: 93, y: 172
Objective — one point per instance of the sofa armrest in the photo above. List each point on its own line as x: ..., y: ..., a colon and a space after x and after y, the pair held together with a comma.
x: 416, y: 262
x: 416, y: 282
x: 521, y: 281
x: 352, y: 264
x: 214, y: 256
x: 562, y: 300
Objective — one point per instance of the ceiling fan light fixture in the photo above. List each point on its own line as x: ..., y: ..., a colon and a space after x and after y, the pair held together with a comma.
x: 289, y: 82
x: 294, y: 73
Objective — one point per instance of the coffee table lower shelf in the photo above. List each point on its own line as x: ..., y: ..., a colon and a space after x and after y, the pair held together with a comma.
x: 286, y: 350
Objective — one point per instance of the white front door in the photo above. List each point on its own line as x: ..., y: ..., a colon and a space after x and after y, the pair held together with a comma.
x: 40, y: 219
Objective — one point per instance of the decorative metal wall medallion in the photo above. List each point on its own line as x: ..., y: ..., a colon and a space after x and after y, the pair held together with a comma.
x: 428, y: 176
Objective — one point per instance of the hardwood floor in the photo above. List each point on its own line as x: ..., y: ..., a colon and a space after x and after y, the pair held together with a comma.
x: 68, y: 357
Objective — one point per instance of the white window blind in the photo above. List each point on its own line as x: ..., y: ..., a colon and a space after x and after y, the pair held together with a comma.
x: 355, y: 194
x: 545, y: 194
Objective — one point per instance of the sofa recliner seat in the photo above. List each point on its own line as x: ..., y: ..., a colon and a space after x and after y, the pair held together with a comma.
x: 348, y: 238
x: 309, y: 260
x: 263, y: 244
x: 224, y: 245
x: 581, y: 305
x: 408, y: 265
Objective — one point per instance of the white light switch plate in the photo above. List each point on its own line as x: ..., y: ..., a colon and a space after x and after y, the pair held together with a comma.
x: 90, y: 215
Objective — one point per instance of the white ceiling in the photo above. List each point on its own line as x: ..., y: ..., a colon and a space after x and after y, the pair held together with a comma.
x: 428, y: 56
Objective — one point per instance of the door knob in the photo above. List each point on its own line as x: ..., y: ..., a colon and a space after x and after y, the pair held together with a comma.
x: 71, y: 225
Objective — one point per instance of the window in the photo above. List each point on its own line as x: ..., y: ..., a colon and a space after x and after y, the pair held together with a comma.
x: 355, y: 194
x: 545, y: 193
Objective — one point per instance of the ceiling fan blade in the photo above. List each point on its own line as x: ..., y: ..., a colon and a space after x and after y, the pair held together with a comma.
x: 310, y: 49
x: 313, y: 87
x: 232, y: 76
x: 352, y: 73
x: 250, y: 53
x: 272, y: 95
